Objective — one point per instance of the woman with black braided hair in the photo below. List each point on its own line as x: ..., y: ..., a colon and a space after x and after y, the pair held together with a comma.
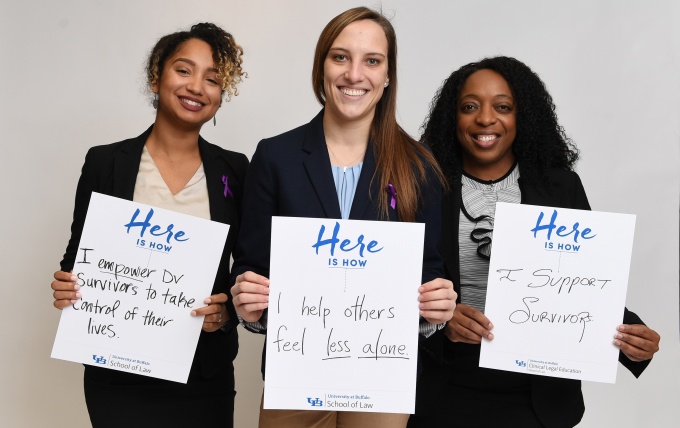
x: 493, y: 129
x: 172, y: 167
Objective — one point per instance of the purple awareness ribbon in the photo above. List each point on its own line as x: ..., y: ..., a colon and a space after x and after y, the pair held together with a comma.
x: 393, y: 193
x: 227, y: 190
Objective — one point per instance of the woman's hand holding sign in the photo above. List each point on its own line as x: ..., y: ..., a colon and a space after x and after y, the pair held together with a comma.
x: 437, y: 300
x: 468, y: 325
x: 66, y: 290
x: 251, y: 296
x: 637, y: 342
x: 215, y: 312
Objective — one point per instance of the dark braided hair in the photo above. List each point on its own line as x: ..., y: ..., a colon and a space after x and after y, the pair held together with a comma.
x: 227, y: 55
x: 540, y: 142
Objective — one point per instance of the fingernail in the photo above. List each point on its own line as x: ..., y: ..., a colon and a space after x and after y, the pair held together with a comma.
x: 76, y: 287
x: 74, y: 278
x: 617, y: 343
x: 622, y: 327
x: 73, y: 302
x: 490, y: 337
x: 193, y: 313
x: 207, y: 301
x: 619, y: 336
x: 79, y: 295
x: 490, y: 326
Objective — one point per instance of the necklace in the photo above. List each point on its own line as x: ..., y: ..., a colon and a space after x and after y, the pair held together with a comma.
x: 352, y: 163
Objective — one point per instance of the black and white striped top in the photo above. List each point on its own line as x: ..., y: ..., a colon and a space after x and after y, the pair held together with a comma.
x: 475, y: 231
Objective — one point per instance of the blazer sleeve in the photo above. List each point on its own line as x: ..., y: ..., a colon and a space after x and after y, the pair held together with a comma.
x: 252, y: 250
x: 86, y: 185
x: 636, y: 368
x: 579, y: 195
x: 240, y: 165
x: 430, y: 214
x: 433, y: 264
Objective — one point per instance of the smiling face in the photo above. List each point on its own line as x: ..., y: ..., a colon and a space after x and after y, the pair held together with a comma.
x: 486, y: 125
x: 355, y: 72
x: 189, y: 91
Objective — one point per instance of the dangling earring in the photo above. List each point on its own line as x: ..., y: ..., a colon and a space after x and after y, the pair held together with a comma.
x: 154, y: 103
x: 215, y: 120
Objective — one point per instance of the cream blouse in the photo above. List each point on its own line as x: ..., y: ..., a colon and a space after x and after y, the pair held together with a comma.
x: 150, y: 189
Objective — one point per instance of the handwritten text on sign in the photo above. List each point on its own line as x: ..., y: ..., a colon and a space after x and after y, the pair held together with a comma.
x: 141, y: 271
x: 556, y: 291
x: 343, y: 315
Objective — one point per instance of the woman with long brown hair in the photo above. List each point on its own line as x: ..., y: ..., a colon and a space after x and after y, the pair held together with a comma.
x: 351, y: 161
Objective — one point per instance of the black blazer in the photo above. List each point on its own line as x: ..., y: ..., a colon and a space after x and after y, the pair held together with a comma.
x: 290, y: 175
x: 112, y: 170
x: 557, y: 402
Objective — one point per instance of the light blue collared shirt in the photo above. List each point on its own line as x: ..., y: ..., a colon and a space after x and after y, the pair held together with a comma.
x: 346, y: 179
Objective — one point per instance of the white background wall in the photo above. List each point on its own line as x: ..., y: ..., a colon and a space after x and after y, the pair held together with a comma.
x: 71, y: 76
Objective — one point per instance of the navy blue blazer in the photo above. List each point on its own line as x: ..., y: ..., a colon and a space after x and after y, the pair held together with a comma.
x: 557, y: 402
x: 290, y: 175
x: 112, y: 170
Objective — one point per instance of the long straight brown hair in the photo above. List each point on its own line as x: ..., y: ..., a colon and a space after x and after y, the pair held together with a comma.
x: 400, y: 160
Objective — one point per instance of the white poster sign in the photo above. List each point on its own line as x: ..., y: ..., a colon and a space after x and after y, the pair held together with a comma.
x: 556, y: 291
x: 141, y: 271
x: 343, y: 315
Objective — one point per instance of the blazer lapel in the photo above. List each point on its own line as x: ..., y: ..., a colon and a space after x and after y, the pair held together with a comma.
x: 318, y: 167
x: 126, y: 166
x: 365, y: 192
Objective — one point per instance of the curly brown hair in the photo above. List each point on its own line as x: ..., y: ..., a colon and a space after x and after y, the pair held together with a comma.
x: 227, y: 54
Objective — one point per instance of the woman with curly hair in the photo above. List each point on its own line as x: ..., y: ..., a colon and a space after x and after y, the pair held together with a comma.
x: 493, y: 129
x: 172, y: 167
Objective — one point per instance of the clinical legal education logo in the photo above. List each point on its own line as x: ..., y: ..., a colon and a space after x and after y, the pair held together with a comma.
x: 99, y: 359
x: 315, y: 402
x: 550, y: 368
